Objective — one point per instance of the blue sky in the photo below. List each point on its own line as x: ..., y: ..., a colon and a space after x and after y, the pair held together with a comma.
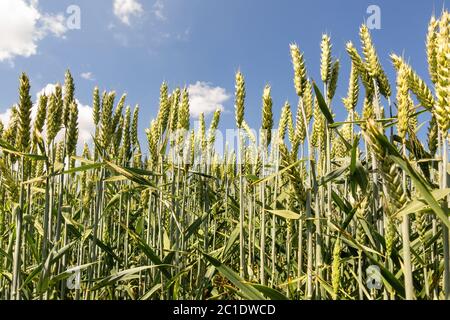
x: 184, y: 42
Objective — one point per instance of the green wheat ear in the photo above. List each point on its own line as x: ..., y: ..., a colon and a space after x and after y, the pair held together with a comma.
x: 213, y: 127
x: 96, y: 106
x: 106, y: 129
x: 69, y: 92
x: 164, y: 107
x: 118, y: 113
x: 72, y: 132
x: 24, y: 114
x: 54, y: 115
x: 126, y: 136
x: 183, y: 117
x: 134, y: 127
x: 202, y: 129
x: 239, y: 99
x: 41, y: 113
x: 267, y: 115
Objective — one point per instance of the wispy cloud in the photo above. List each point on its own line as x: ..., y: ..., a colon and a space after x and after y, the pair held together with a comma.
x: 205, y: 98
x: 126, y: 9
x: 121, y: 39
x: 158, y: 10
x: 87, y: 76
x: 184, y: 36
x: 23, y: 25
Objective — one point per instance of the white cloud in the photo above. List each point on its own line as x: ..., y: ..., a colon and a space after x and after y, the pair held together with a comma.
x: 22, y: 26
x: 125, y: 9
x: 54, y: 24
x: 86, y: 125
x: 47, y: 90
x: 5, y: 116
x: 87, y: 76
x: 205, y: 98
x: 158, y: 10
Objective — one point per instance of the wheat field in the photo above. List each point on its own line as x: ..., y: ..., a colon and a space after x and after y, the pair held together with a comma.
x: 302, y: 208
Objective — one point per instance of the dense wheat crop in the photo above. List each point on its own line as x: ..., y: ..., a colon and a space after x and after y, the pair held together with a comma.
x: 302, y: 208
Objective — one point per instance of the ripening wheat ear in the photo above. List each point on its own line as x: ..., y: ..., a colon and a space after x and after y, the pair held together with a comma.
x: 361, y: 67
x: 388, y: 170
x: 336, y: 268
x: 402, y: 102
x: 333, y: 79
x: 368, y: 111
x: 351, y: 100
x: 299, y: 70
x: 325, y: 58
x: 300, y: 129
x: 318, y: 127
x: 431, y: 49
x: 308, y: 102
x: 286, y: 116
x: 373, y: 64
x: 370, y: 54
x: 432, y: 136
x: 239, y: 99
x: 415, y: 83
x: 249, y: 133
x: 442, y: 108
